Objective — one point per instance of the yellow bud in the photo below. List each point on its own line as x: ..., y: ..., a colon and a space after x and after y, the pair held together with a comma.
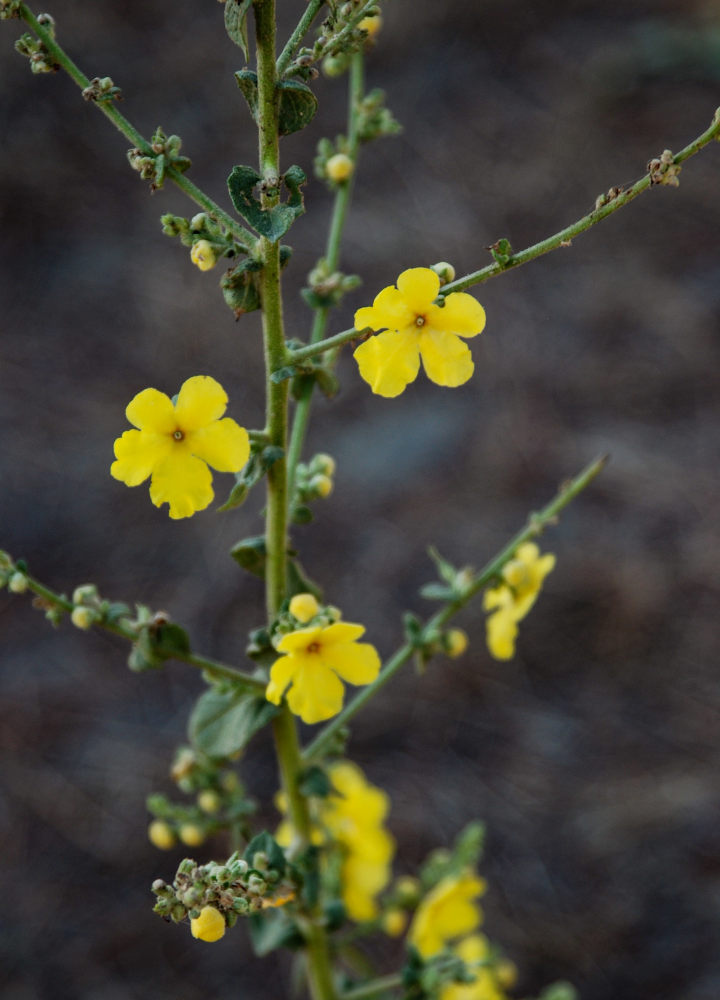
x: 457, y: 642
x: 304, y: 607
x: 393, y: 922
x: 82, y: 617
x: 371, y: 24
x: 407, y: 888
x: 18, y: 583
x: 209, y: 801
x: 203, y: 255
x: 161, y: 835
x: 191, y: 835
x: 184, y: 764
x: 324, y: 463
x: 506, y: 973
x: 209, y: 926
x: 339, y: 167
x: 515, y: 573
x: 321, y: 485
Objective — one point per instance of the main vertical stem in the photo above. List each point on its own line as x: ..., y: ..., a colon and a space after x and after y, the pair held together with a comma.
x: 276, y: 525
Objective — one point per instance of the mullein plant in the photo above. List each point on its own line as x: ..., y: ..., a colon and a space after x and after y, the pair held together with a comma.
x: 328, y: 862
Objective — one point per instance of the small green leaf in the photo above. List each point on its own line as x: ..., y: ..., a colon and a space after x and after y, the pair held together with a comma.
x: 266, y: 844
x: 238, y: 495
x: 251, y: 554
x: 236, y: 22
x: 273, y: 929
x: 445, y: 569
x: 223, y: 722
x: 298, y: 106
x: 314, y: 781
x: 247, y: 81
x: 172, y: 639
x: 115, y: 611
x: 302, y: 514
x: 272, y: 223
x: 437, y: 592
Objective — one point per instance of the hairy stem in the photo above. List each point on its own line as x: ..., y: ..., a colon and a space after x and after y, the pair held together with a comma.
x: 242, y: 236
x: 293, y: 43
x: 374, y: 988
x: 535, y: 526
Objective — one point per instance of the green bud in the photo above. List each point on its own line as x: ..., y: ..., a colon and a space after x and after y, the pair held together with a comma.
x: 85, y: 594
x: 17, y: 584
x: 257, y: 886
x: 260, y: 860
x: 241, y: 905
x: 444, y: 271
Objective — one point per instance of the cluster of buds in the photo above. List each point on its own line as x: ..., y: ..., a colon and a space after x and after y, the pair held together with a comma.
x: 12, y: 575
x: 220, y: 802
x: 609, y: 196
x: 9, y: 8
x: 374, y: 120
x: 163, y: 155
x: 34, y: 49
x: 313, y: 481
x: 327, y: 287
x: 233, y: 889
x: 347, y: 28
x: 207, y: 239
x: 664, y: 170
x: 333, y: 163
x: 101, y: 88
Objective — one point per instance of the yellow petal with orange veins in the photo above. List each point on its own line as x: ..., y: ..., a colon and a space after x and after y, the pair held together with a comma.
x: 355, y: 662
x: 200, y: 401
x: 152, y: 410
x: 300, y: 639
x: 418, y: 287
x: 281, y: 674
x: 137, y: 454
x: 447, y: 359
x: 461, y: 314
x: 389, y: 362
x: 184, y: 482
x: 342, y: 632
x: 223, y: 444
x: 317, y: 693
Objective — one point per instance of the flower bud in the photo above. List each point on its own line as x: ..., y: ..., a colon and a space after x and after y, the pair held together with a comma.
x: 161, y: 835
x: 324, y: 464
x: 197, y: 223
x: 257, y: 886
x: 456, y: 642
x: 506, y: 973
x: 209, y: 926
x: 85, y: 594
x: 304, y: 607
x: 444, y: 271
x: 321, y: 486
x: 209, y: 801
x: 407, y: 890
x: 394, y: 921
x: 371, y: 24
x: 339, y: 168
x: 82, y: 617
x: 191, y: 834
x: 203, y: 255
x: 17, y: 584
x: 184, y: 764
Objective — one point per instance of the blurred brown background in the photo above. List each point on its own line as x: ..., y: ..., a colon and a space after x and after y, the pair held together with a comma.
x: 594, y: 754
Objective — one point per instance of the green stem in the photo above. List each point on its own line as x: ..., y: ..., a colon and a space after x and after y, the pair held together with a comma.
x: 242, y: 236
x: 374, y: 987
x: 535, y: 526
x: 560, y: 239
x: 293, y: 43
x: 220, y: 670
x: 343, y: 195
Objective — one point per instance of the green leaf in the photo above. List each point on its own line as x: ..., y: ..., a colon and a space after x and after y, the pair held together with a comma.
x: 266, y: 844
x: 301, y: 514
x: 314, y: 781
x: 223, y: 722
x: 247, y: 81
x: 251, y: 554
x: 437, y: 592
x: 238, y: 495
x: 273, y: 929
x: 115, y: 611
x: 236, y: 22
x: 272, y: 223
x: 173, y: 639
x: 446, y: 569
x: 298, y: 106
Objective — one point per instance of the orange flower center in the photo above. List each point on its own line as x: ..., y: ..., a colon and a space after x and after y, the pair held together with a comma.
x: 314, y: 647
x: 419, y: 321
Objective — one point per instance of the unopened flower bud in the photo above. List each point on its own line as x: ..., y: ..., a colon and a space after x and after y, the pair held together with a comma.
x: 203, y: 255
x: 407, y: 890
x: 82, y: 617
x: 394, y: 921
x: 371, y: 24
x: 209, y: 926
x: 85, y: 594
x: 506, y: 973
x: 161, y: 835
x: 456, y: 642
x: 17, y: 583
x: 198, y: 222
x: 159, y: 885
x: 324, y: 463
x: 209, y: 801
x: 321, y: 486
x: 339, y: 168
x: 304, y: 607
x: 191, y: 834
x: 257, y: 886
x: 184, y: 764
x: 444, y: 271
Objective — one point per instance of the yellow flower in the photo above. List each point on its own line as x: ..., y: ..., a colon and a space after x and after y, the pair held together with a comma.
x: 448, y: 911
x: 175, y: 444
x: 371, y: 24
x: 475, y: 948
x: 203, y: 255
x: 209, y: 926
x: 394, y: 921
x: 511, y: 600
x: 417, y: 327
x: 315, y: 660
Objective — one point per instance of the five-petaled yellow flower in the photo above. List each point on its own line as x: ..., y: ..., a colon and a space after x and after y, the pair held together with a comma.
x: 448, y: 911
x: 417, y: 327
x: 175, y: 444
x: 511, y: 600
x: 315, y: 660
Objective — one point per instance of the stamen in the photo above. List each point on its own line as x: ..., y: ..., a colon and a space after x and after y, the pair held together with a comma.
x: 419, y: 321
x: 314, y: 647
x: 178, y: 435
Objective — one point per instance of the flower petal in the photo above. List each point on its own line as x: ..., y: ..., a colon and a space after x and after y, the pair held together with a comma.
x: 299, y: 640
x: 282, y: 672
x: 446, y: 358
x: 341, y: 632
x: 152, y: 410
x: 389, y: 362
x: 418, y: 287
x: 317, y: 693
x: 223, y: 444
x: 355, y: 662
x: 461, y: 314
x: 388, y: 310
x: 200, y: 401
x: 502, y: 631
x: 137, y: 454
x: 183, y: 481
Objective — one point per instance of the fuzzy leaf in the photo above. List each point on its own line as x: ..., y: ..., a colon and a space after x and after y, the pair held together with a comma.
x: 298, y: 106
x: 236, y: 12
x: 223, y: 722
x: 272, y: 223
x: 267, y: 844
x: 172, y: 639
x: 251, y: 554
x: 272, y: 929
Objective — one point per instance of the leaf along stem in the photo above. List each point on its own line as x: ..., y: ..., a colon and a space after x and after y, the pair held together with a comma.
x: 535, y: 526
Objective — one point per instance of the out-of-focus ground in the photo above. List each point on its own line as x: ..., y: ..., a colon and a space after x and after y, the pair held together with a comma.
x: 593, y: 755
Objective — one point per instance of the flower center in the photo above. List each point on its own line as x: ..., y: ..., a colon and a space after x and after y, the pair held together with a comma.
x: 314, y: 647
x: 419, y: 321
x: 178, y: 435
